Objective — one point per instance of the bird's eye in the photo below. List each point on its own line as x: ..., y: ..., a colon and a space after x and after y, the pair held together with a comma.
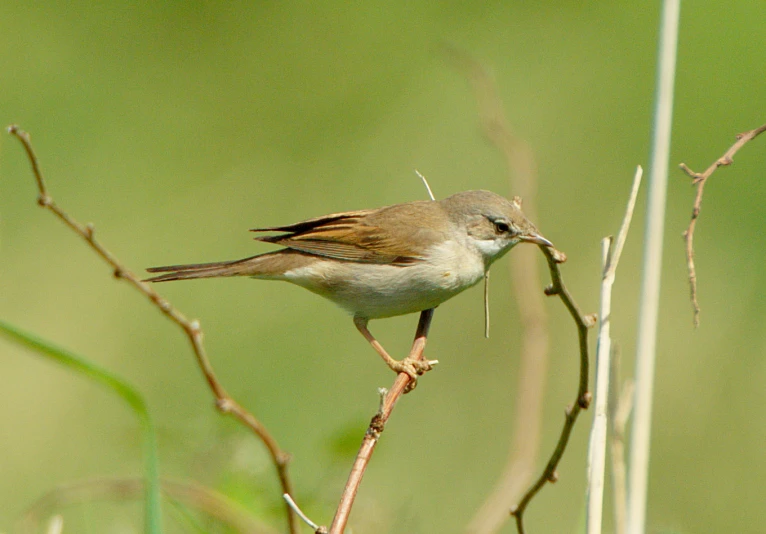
x: 502, y: 227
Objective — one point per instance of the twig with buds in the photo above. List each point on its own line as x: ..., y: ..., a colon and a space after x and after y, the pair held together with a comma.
x: 699, y: 179
x: 223, y: 401
x: 583, y: 398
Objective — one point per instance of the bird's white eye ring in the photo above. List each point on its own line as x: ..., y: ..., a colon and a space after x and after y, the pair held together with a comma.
x: 502, y: 227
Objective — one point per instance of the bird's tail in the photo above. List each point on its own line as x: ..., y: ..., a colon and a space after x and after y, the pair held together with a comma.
x: 272, y: 265
x: 204, y: 270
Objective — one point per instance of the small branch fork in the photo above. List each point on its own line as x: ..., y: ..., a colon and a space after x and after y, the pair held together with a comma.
x: 699, y: 179
x: 583, y: 398
x: 224, y: 402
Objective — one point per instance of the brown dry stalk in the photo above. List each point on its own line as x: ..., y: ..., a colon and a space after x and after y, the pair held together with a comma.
x: 699, y: 179
x: 223, y: 401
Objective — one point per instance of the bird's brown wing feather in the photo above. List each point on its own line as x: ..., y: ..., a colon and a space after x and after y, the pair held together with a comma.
x: 358, y: 236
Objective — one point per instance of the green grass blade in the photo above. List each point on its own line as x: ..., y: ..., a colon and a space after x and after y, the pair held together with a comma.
x: 119, y: 387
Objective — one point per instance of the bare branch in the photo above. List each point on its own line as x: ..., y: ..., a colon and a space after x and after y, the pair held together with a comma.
x: 699, y: 179
x: 224, y: 402
x: 376, y: 428
x: 583, y: 398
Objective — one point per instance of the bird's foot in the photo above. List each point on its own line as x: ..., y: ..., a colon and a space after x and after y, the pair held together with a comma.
x: 413, y: 367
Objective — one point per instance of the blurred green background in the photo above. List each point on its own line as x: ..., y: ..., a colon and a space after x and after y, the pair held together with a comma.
x: 175, y: 127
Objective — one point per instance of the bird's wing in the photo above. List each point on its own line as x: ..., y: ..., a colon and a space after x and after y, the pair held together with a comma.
x: 360, y: 236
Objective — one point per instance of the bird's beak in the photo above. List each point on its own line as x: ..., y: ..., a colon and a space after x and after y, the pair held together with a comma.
x: 537, y: 239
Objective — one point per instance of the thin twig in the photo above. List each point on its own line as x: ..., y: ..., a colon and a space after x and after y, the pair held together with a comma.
x: 224, y: 402
x: 583, y: 398
x: 294, y: 505
x: 425, y: 183
x: 486, y: 305
x: 622, y: 235
x: 526, y: 422
x: 699, y: 179
x: 376, y: 427
x: 597, y: 448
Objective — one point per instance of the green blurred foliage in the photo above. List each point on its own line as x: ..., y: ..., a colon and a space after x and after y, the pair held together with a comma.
x: 175, y: 127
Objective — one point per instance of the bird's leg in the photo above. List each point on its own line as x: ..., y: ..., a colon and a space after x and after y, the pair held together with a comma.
x: 412, y: 364
x: 421, y: 334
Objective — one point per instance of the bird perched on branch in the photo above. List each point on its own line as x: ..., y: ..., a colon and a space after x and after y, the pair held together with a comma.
x: 387, y: 261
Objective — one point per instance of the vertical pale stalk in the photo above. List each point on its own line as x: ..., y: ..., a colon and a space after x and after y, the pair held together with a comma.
x: 597, y: 445
x: 610, y: 257
x: 650, y: 287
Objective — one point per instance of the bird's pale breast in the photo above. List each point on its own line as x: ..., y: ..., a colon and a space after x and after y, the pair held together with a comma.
x: 375, y: 291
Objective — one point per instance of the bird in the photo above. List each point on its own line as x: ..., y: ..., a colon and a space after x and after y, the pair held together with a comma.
x: 384, y: 262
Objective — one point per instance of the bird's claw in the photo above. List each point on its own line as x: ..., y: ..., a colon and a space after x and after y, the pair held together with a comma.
x: 413, y: 368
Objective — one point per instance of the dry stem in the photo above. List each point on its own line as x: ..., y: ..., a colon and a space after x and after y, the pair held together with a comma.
x: 651, y: 271
x: 583, y: 398
x: 620, y: 406
x: 294, y: 505
x: 699, y: 179
x: 377, y: 425
x: 612, y: 250
x: 224, y: 402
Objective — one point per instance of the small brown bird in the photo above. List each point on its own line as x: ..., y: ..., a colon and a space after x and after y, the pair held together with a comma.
x: 388, y: 261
